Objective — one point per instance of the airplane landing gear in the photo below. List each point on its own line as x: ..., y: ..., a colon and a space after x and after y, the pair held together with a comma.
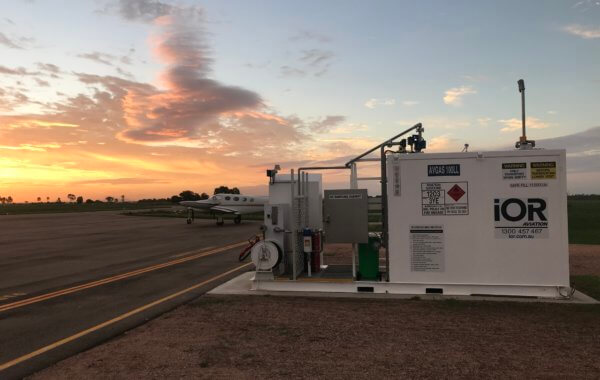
x: 190, y: 215
x: 237, y: 219
x: 220, y: 221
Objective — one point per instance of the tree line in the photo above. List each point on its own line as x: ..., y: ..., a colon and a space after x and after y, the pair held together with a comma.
x: 185, y: 195
x: 189, y: 195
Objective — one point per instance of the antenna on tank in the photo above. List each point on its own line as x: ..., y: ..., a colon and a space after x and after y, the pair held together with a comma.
x: 523, y: 143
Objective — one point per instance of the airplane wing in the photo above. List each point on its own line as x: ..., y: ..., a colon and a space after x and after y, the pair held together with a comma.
x: 224, y: 210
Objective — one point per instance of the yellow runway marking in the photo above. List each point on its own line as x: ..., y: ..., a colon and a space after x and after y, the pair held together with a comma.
x: 58, y: 293
x: 114, y: 320
x: 188, y: 252
x: 13, y: 295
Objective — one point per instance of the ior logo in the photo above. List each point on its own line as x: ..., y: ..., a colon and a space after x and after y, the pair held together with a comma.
x: 515, y: 209
x: 521, y: 218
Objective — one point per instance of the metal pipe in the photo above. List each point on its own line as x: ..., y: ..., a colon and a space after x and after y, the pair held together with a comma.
x: 384, y: 202
x: 418, y: 125
x: 384, y: 240
x: 318, y: 168
x: 521, y: 84
x: 294, y: 229
x: 367, y: 160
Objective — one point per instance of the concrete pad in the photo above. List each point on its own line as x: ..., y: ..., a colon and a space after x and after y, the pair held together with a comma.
x: 242, y: 285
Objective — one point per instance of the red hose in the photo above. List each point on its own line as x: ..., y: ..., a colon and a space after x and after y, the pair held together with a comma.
x: 246, y: 251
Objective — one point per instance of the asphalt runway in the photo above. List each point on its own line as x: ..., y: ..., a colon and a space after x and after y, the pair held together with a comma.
x: 71, y: 281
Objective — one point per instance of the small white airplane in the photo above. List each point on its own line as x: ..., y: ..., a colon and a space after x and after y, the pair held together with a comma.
x: 220, y: 204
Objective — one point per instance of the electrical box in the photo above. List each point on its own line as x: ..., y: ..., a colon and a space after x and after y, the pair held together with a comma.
x: 346, y: 218
x: 489, y: 223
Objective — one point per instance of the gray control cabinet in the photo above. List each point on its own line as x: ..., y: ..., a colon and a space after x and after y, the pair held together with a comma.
x: 345, y: 216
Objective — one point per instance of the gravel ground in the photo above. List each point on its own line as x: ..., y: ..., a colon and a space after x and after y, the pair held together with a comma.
x: 285, y: 337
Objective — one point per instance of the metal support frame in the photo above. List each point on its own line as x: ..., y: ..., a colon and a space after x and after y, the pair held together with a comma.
x: 294, y: 227
x: 354, y: 185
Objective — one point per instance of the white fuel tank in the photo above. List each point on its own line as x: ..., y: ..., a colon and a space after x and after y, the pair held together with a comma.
x: 484, y: 223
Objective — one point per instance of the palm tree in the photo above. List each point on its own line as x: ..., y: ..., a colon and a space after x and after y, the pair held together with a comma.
x: 39, y: 199
x: 47, y: 199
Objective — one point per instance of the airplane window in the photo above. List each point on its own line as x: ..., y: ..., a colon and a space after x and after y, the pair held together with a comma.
x: 214, y: 198
x: 245, y: 199
x: 236, y: 198
x: 251, y: 199
x: 227, y: 198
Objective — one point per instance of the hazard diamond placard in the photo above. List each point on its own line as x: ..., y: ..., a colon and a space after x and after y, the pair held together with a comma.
x: 444, y: 198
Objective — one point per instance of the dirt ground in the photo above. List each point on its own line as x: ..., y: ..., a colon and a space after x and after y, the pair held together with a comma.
x: 584, y: 259
x: 285, y: 337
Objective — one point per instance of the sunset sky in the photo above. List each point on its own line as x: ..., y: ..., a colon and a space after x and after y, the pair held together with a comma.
x: 147, y: 98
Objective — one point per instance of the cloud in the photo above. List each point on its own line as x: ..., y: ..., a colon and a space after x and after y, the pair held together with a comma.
x: 583, y: 158
x: 141, y: 10
x: 124, y: 73
x: 4, y: 40
x: 120, y: 181
x: 191, y: 109
x: 288, y: 71
x: 48, y: 67
x: 443, y: 143
x: 316, y: 57
x: 374, y: 102
x: 17, y: 71
x: 454, y: 95
x: 511, y: 125
x: 586, y: 32
x: 31, y: 147
x: 484, y: 121
x: 41, y: 82
x: 98, y: 57
x: 26, y: 122
x: 349, y: 128
x: 314, y: 62
x: 319, y: 60
x: 327, y: 123
x: 475, y: 78
x: 306, y: 35
x: 409, y: 103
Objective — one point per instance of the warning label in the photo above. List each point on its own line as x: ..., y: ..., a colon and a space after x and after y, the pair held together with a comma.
x: 543, y: 170
x: 427, y: 248
x: 396, y: 177
x: 444, y: 198
x: 514, y: 170
x: 521, y: 218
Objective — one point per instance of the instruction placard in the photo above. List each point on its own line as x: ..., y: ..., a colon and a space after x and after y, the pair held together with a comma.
x: 543, y: 170
x: 514, y: 170
x: 444, y: 198
x: 427, y: 248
